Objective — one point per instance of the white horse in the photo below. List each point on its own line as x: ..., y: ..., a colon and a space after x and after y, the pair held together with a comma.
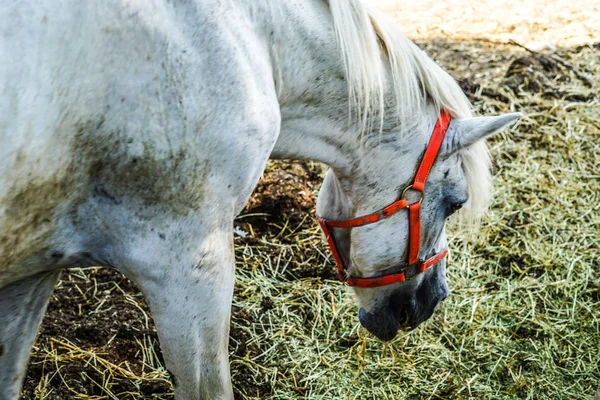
x: 133, y: 131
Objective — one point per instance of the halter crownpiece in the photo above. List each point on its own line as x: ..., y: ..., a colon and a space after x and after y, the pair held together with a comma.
x: 414, y: 266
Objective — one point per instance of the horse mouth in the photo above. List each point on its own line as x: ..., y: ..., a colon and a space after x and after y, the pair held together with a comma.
x: 383, y: 324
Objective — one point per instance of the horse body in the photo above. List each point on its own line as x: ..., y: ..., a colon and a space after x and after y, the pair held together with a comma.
x: 131, y: 110
x: 132, y: 146
x: 132, y: 133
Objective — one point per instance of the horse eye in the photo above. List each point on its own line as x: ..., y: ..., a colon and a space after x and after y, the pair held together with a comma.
x: 454, y: 207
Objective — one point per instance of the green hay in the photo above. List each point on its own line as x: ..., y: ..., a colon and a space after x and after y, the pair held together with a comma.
x: 522, y: 319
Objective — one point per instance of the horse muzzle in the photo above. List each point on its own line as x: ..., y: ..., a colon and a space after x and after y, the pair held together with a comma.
x: 402, y: 311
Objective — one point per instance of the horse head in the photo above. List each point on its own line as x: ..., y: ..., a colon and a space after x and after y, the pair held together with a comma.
x: 385, y: 221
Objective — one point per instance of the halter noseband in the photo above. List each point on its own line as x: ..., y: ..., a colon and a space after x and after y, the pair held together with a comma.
x: 415, y: 266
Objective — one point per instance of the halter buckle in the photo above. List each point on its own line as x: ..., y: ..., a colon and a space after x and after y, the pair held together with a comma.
x: 409, y: 187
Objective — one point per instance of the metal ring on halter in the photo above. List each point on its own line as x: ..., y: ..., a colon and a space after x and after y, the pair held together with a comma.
x: 406, y: 189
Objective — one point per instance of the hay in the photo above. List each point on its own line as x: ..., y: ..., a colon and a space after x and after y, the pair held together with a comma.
x: 522, y: 318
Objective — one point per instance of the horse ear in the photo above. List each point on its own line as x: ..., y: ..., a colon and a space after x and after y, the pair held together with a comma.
x: 464, y: 132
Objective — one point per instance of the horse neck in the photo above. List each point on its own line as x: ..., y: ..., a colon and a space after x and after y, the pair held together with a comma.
x: 309, y: 74
x: 311, y: 87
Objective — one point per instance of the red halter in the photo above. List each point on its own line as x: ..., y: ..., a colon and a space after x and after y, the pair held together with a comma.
x: 415, y: 266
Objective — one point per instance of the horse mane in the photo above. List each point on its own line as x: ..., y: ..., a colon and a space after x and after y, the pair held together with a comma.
x: 367, y: 38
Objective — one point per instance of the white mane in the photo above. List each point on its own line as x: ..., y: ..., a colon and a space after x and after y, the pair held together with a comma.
x: 367, y: 38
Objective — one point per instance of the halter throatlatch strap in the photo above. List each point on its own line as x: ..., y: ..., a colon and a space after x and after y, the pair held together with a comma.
x: 415, y: 266
x: 414, y: 232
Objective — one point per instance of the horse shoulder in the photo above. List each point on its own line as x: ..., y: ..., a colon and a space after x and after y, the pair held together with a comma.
x: 149, y: 121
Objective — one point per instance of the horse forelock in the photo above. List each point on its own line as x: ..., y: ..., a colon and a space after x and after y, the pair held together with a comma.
x: 367, y: 39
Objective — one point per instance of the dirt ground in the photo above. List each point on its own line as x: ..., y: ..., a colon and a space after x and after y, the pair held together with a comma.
x: 98, y: 341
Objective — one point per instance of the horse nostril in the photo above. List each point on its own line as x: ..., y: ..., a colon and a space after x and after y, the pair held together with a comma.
x: 402, y: 317
x: 399, y: 307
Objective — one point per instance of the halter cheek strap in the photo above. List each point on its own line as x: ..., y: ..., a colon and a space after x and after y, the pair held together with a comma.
x: 415, y: 266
